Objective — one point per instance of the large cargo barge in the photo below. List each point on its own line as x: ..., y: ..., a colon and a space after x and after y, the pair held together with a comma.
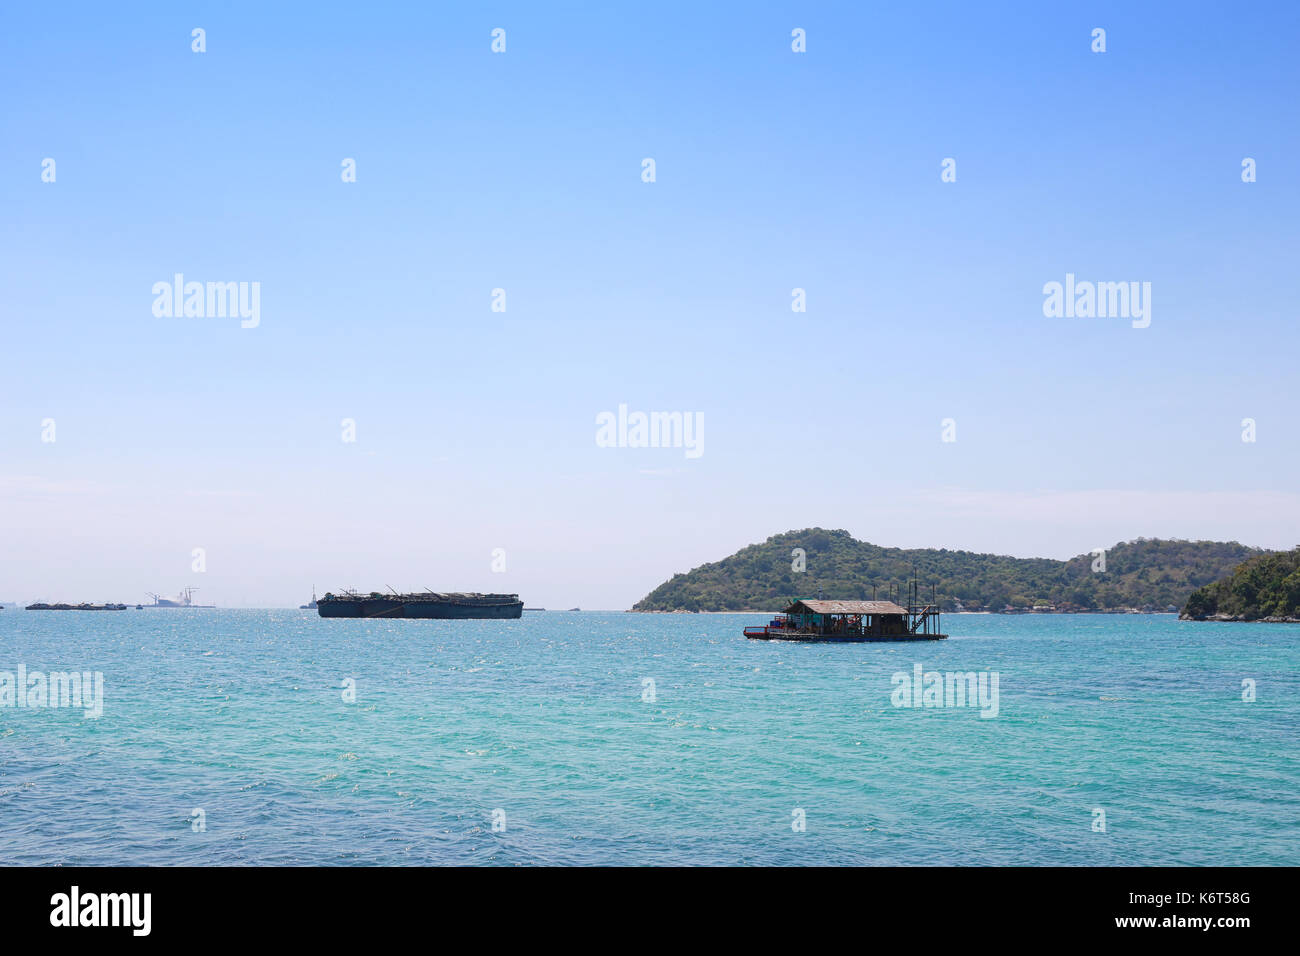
x: 448, y: 605
x: 42, y: 606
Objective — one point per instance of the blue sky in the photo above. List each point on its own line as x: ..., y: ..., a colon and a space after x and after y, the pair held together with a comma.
x: 522, y: 171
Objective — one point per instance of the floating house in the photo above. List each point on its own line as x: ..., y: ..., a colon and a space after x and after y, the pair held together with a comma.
x: 850, y: 621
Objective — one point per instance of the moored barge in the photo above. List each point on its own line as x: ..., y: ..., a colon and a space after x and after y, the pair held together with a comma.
x: 445, y: 605
x: 42, y: 606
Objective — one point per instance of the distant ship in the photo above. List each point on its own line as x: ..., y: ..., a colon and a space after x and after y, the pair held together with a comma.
x: 312, y: 605
x: 184, y: 599
x: 429, y: 604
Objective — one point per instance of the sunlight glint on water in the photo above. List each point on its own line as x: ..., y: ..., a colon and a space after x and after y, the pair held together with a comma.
x: 241, y: 714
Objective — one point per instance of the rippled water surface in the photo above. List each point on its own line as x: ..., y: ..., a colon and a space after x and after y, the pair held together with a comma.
x: 242, y: 714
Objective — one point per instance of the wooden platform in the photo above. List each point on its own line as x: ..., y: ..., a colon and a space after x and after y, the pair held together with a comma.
x: 812, y: 637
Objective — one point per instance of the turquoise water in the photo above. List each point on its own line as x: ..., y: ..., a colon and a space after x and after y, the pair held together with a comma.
x: 241, y: 714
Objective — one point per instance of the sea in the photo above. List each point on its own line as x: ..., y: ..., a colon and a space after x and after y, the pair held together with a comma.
x: 242, y: 737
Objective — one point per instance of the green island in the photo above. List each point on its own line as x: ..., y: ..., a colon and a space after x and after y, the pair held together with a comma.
x: 1147, y: 574
x: 1265, y: 587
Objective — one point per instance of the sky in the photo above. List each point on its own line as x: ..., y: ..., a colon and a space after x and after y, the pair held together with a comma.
x: 475, y: 463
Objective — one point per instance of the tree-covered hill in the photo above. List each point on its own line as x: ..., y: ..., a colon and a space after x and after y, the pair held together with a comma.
x: 1151, y: 574
x: 1265, y: 587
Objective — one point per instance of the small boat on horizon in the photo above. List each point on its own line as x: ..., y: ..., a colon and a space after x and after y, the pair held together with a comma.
x: 312, y: 605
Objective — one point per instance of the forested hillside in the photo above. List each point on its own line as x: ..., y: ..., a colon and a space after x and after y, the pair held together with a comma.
x: 1264, y: 587
x: 1150, y: 574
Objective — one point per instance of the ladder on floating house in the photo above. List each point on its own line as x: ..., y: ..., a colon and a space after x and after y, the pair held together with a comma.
x: 920, y: 617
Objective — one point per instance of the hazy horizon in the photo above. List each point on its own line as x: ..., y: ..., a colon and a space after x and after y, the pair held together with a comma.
x: 132, y: 437
x: 292, y: 602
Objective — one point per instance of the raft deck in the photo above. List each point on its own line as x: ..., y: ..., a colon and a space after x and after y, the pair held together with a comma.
x: 810, y: 637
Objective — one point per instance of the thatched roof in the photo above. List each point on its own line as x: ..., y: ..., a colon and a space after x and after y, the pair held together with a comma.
x: 846, y: 607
